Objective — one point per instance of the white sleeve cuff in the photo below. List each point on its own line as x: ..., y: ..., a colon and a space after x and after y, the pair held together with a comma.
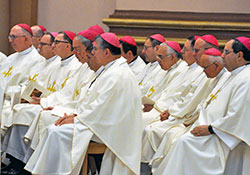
x: 228, y: 139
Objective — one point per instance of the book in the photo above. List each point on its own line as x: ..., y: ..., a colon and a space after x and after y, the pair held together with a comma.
x: 146, y: 100
x: 34, y: 89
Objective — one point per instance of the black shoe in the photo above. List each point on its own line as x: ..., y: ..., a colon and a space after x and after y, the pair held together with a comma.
x: 11, y: 171
x: 6, y: 167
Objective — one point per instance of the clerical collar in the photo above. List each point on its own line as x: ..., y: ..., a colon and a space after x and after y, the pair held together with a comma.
x: 133, y: 61
x: 109, y: 64
x: 25, y: 52
x: 51, y: 59
x: 154, y: 63
x: 221, y: 73
x: 237, y: 70
x: 99, y: 71
x: 193, y: 65
x: 67, y: 60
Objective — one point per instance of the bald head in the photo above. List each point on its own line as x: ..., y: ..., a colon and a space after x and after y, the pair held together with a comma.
x: 37, y: 35
x: 19, y: 38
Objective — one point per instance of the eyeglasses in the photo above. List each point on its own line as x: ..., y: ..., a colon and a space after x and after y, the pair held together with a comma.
x: 162, y: 56
x: 146, y: 47
x: 44, y: 44
x: 226, y: 52
x: 13, y: 37
x: 58, y: 41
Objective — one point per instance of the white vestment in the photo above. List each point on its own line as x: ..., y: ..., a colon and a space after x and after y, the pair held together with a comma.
x: 175, y: 91
x: 68, y: 100
x: 154, y: 132
x: 2, y: 57
x: 137, y: 66
x: 147, y: 77
x: 170, y: 130
x: 42, y: 70
x: 228, y: 113
x: 2, y: 89
x: 164, y: 80
x: 15, y: 70
x: 110, y: 112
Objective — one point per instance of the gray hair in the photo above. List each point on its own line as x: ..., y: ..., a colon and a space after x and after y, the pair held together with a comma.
x: 170, y: 50
x: 217, y: 59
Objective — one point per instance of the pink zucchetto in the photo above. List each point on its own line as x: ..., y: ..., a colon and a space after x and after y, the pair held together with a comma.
x: 212, y: 52
x: 196, y: 37
x: 210, y: 39
x: 96, y: 29
x: 245, y: 41
x: 158, y: 37
x: 111, y: 38
x: 88, y: 34
x: 26, y: 27
x: 54, y: 34
x: 174, y: 45
x: 42, y: 28
x: 128, y: 40
x: 70, y: 34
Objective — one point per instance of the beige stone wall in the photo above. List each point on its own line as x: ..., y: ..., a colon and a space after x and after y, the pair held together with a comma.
x: 227, y: 6
x: 74, y: 15
x: 4, y: 29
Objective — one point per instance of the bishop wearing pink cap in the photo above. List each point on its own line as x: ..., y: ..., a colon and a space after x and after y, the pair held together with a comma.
x: 129, y: 51
x: 152, y: 70
x: 38, y: 31
x: 82, y: 44
x: 221, y: 128
x: 97, y: 29
x: 105, y: 92
x: 203, y: 43
x: 19, y: 64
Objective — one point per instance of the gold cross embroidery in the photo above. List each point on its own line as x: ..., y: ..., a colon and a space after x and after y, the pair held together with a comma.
x: 76, y: 94
x: 152, y: 90
x: 6, y: 74
x: 52, y: 88
x: 212, y: 97
x: 63, y: 84
x: 33, y: 78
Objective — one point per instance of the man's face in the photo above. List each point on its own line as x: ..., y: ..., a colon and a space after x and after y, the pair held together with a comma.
x: 17, y: 39
x: 80, y: 50
x: 199, y: 49
x: 187, y: 53
x: 209, y: 68
x: 229, y: 56
x: 35, y: 40
x: 96, y: 60
x: 149, y: 51
x: 46, y: 49
x: 61, y: 46
x: 164, y: 59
